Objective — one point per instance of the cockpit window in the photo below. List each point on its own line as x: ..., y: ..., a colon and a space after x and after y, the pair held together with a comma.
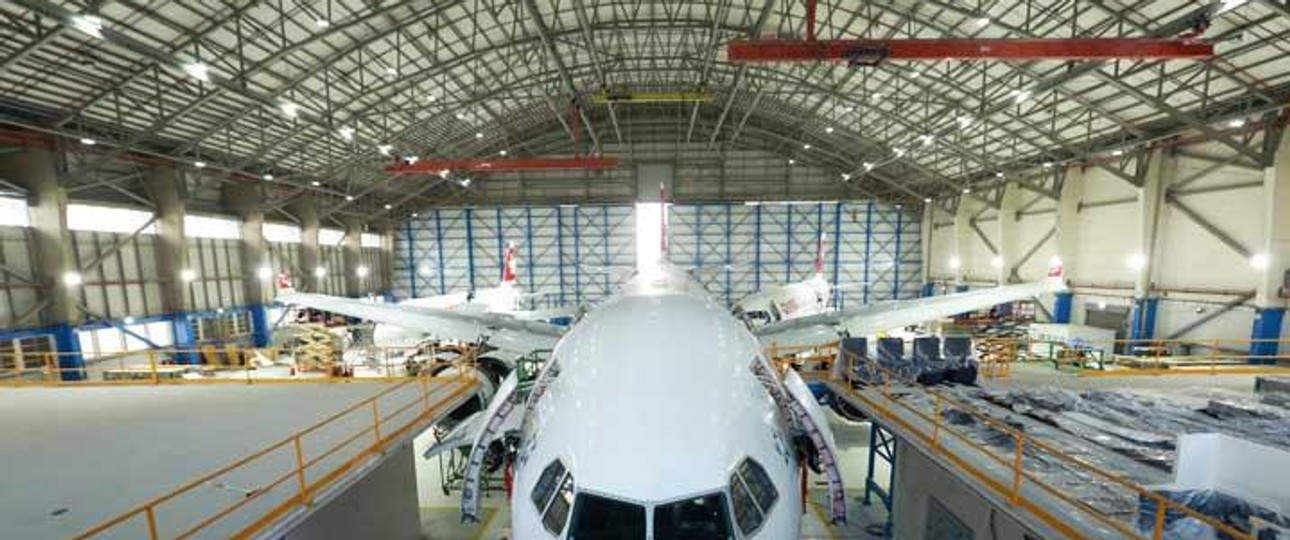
x: 746, y: 513
x: 602, y: 518
x: 763, y: 490
x: 752, y: 494
x: 553, y: 505
x: 558, y: 511
x: 700, y: 518
x: 547, y: 483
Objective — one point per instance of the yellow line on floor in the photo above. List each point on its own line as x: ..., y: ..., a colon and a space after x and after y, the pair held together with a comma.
x: 824, y: 520
x: 488, y: 520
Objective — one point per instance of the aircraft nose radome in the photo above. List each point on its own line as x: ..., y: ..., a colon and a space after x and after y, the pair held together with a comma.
x: 700, y: 399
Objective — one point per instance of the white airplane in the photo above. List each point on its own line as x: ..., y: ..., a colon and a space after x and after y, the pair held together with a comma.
x: 789, y: 301
x: 658, y: 415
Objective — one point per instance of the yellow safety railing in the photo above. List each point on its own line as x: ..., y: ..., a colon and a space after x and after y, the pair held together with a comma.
x: 157, y: 367
x: 889, y: 409
x: 289, y: 474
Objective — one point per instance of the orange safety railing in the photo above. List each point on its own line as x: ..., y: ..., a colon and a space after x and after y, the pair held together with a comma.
x: 934, y: 433
x: 290, y: 474
x: 156, y: 367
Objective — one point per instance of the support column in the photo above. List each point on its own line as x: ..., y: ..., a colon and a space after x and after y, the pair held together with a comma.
x: 386, y: 283
x: 258, y: 272
x: 1067, y: 239
x: 925, y: 242
x: 1006, y: 231
x: 306, y: 210
x: 1273, y: 287
x: 962, y: 239
x: 357, y: 275
x: 166, y: 187
x: 36, y: 170
x: 1160, y: 166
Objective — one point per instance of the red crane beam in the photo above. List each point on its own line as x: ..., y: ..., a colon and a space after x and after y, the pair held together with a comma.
x: 435, y: 166
x: 867, y: 51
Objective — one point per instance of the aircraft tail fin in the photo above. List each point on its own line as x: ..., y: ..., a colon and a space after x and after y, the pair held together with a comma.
x: 509, y: 275
x: 1056, y: 271
x: 282, y: 284
x: 662, y: 221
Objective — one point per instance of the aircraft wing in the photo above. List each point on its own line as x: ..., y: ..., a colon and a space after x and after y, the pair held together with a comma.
x: 502, y: 330
x: 885, y: 316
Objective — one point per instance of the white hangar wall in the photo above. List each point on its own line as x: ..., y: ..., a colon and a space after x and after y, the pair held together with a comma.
x: 1196, y: 269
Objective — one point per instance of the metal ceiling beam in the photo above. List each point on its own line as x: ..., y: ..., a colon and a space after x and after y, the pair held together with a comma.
x: 554, y: 55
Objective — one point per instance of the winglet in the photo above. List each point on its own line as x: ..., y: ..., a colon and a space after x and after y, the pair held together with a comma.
x: 509, y: 274
x: 282, y: 284
x: 1056, y: 271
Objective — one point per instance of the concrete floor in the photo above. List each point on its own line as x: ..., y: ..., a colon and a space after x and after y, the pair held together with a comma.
x: 73, y: 457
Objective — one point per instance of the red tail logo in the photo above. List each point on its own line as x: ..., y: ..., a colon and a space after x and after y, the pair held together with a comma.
x: 282, y: 284
x: 508, y: 266
x: 819, y: 255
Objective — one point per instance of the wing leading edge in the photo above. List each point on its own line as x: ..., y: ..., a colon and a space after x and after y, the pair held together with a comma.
x: 502, y: 330
x: 885, y: 316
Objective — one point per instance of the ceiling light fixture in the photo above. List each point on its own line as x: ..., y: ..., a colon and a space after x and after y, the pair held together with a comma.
x: 89, y: 25
x: 983, y: 22
x: 502, y: 152
x: 199, y: 71
x: 1237, y: 123
x: 899, y: 152
x: 315, y: 183
x: 806, y: 147
x: 88, y: 141
x: 967, y: 190
x: 868, y: 166
x: 267, y: 177
x: 389, y: 207
x: 792, y: 161
x: 322, y: 23
x: 289, y: 109
x: 828, y: 129
x: 385, y: 149
x: 479, y: 135
x: 199, y: 164
x: 346, y: 133
x: 349, y: 197
x: 846, y: 177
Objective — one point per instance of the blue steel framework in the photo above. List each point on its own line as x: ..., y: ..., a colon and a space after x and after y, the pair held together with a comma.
x: 570, y: 253
x: 872, y: 254
x: 566, y: 252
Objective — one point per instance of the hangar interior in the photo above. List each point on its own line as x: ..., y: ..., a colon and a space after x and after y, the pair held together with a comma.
x: 398, y: 268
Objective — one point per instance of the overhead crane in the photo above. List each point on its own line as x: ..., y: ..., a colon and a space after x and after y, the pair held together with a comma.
x: 873, y: 51
x: 870, y: 52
